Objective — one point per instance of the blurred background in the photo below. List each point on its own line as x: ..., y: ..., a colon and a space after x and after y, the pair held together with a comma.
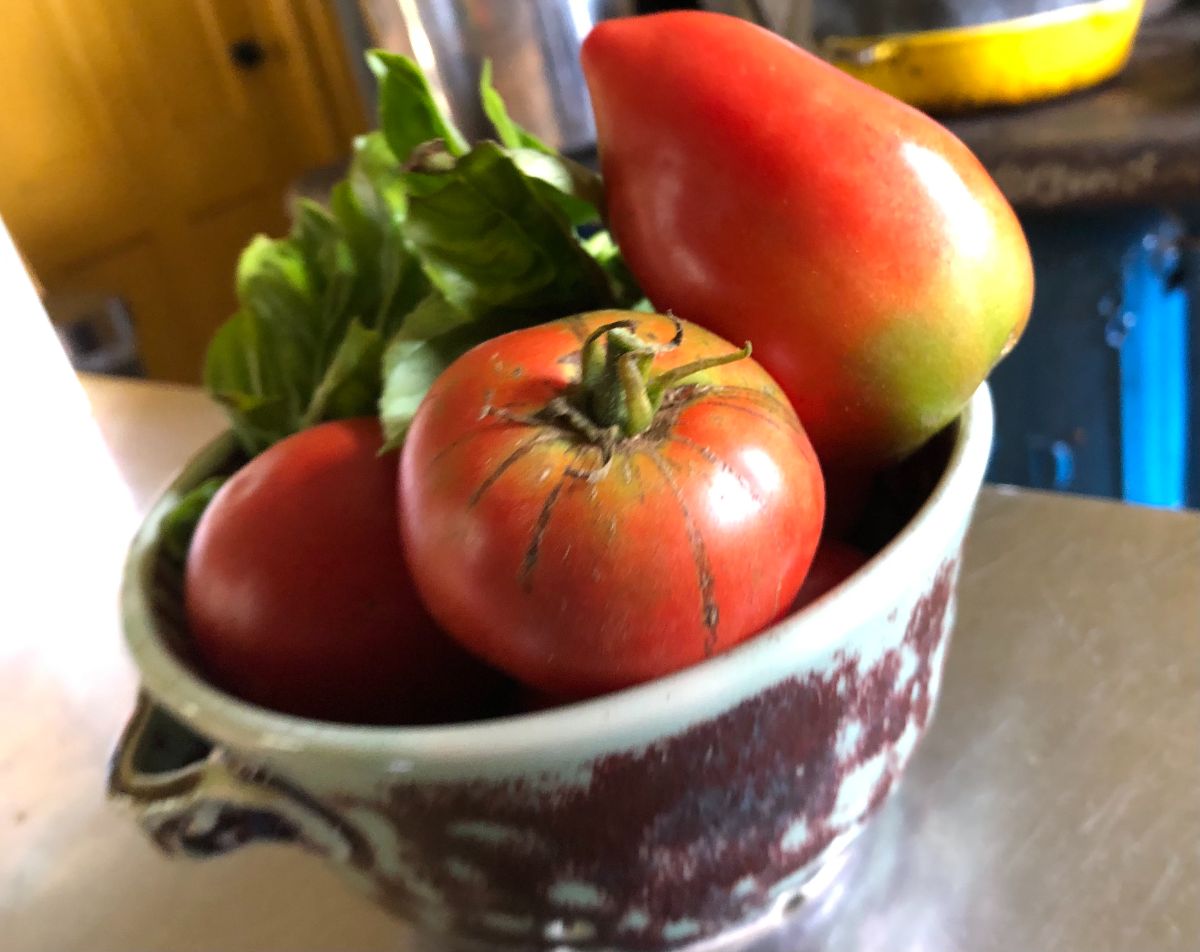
x: 145, y: 142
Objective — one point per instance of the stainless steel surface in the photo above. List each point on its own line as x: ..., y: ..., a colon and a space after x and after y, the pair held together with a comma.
x: 533, y: 46
x: 1055, y: 804
x: 790, y: 18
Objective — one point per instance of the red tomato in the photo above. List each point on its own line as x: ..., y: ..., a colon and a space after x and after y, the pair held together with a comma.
x: 298, y: 598
x: 847, y: 493
x: 763, y: 193
x: 581, y: 556
x: 834, y: 563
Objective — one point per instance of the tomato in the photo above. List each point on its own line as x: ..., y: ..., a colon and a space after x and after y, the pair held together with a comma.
x: 762, y: 193
x: 847, y: 494
x: 835, y: 562
x: 588, y: 529
x: 297, y: 596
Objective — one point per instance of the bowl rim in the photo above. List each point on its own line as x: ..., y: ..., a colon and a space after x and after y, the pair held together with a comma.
x: 654, y: 708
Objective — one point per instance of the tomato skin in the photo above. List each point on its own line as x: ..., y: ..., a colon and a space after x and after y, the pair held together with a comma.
x: 847, y: 493
x: 691, y: 539
x: 863, y: 249
x: 835, y: 562
x: 298, y: 598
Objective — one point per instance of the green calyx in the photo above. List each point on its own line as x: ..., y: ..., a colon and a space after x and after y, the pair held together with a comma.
x: 619, y: 388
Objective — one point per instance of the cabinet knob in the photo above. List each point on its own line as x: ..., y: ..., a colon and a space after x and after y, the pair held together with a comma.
x: 247, y: 54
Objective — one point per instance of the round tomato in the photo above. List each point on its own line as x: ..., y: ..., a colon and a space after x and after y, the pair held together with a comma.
x: 589, y: 506
x: 847, y: 495
x: 835, y: 562
x: 297, y: 595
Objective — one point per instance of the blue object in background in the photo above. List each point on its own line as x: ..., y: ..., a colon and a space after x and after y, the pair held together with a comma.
x: 1154, y: 373
x: 1095, y: 399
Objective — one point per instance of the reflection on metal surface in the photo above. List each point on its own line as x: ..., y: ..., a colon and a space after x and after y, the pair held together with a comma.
x: 1053, y: 804
x: 858, y: 908
x: 533, y: 46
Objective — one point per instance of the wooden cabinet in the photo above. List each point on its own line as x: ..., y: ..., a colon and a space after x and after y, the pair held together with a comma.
x: 142, y: 145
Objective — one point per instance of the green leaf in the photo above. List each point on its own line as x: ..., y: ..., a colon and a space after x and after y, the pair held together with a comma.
x: 625, y: 289
x: 433, y: 337
x: 486, y: 241
x: 410, y: 366
x: 426, y: 249
x: 276, y: 287
x: 307, y: 342
x: 402, y: 286
x: 242, y: 372
x: 370, y: 207
x: 350, y: 385
x: 573, y: 188
x: 179, y: 525
x: 510, y: 134
x: 433, y: 316
x: 274, y: 272
x: 293, y: 355
x: 335, y: 275
x: 376, y: 180
x: 314, y: 233
x: 499, y: 258
x: 408, y: 111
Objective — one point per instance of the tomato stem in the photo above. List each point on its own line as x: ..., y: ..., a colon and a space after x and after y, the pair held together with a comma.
x: 617, y: 396
x: 662, y: 382
x: 591, y: 358
x: 617, y: 387
x: 639, y: 411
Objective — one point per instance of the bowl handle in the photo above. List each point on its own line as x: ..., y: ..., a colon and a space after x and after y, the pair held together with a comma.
x: 193, y: 799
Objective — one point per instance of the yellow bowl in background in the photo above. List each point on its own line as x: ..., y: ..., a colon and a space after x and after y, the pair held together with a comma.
x: 1002, y: 63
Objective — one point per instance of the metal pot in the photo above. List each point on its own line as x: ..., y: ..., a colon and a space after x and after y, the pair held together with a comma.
x: 533, y: 46
x: 954, y: 55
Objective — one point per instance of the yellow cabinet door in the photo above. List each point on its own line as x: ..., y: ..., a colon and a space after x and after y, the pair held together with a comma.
x: 143, y: 142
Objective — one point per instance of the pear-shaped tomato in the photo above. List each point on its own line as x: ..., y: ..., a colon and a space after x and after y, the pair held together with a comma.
x: 764, y: 194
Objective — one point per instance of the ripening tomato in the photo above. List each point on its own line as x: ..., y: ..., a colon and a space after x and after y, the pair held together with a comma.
x: 757, y: 190
x: 834, y: 562
x: 297, y: 596
x: 588, y: 506
x: 847, y: 494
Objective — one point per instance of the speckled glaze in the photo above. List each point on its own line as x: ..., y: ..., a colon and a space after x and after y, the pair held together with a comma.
x: 680, y: 813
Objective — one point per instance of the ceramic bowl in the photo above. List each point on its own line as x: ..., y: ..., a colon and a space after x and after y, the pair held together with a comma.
x: 679, y: 813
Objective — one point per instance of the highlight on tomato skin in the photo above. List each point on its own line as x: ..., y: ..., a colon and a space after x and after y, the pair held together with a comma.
x: 604, y: 499
x: 297, y: 595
